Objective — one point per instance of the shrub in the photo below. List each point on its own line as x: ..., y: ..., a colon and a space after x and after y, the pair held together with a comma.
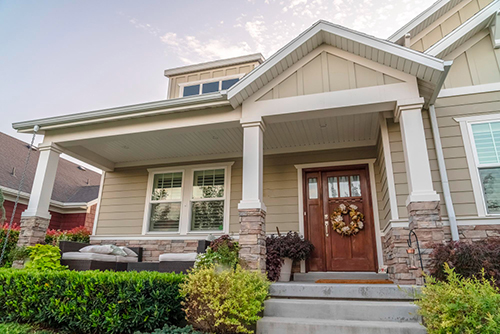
x: 468, y: 259
x: 91, y: 302
x: 44, y: 257
x: 460, y: 305
x: 13, y: 328
x: 78, y: 234
x: 173, y: 330
x: 222, y: 251
x: 292, y: 245
x: 11, y: 243
x: 224, y: 301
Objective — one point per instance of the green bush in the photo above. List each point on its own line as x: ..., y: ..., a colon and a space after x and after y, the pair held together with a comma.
x: 13, y: 328
x: 173, y: 330
x: 460, y: 306
x: 224, y: 301
x: 11, y: 243
x: 223, y: 251
x: 91, y: 302
x: 44, y: 257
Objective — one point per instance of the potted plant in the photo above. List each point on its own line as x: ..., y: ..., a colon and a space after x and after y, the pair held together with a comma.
x: 282, y: 251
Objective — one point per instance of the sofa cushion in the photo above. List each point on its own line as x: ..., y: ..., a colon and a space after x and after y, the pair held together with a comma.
x: 104, y: 249
x: 126, y: 259
x: 170, y: 257
x: 89, y: 256
x: 129, y: 252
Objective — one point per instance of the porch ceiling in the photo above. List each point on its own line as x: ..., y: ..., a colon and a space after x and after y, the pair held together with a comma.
x: 196, y: 144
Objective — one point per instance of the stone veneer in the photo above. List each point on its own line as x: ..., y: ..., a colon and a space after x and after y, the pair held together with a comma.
x: 33, y: 231
x: 253, y: 238
x: 153, y: 248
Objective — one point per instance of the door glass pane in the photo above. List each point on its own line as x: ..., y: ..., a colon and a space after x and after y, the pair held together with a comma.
x: 165, y: 217
x: 333, y: 187
x: 167, y: 186
x: 313, y: 188
x: 207, y: 215
x: 490, y: 178
x: 344, y: 186
x: 191, y: 90
x: 355, y: 185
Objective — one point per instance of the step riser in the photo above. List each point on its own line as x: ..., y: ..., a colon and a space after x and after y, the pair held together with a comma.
x: 295, y: 328
x: 341, y: 311
x: 342, y: 291
x: 314, y: 276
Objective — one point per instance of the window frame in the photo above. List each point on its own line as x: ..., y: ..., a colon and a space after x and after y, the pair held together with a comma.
x: 201, y: 82
x: 187, y: 198
x: 473, y: 159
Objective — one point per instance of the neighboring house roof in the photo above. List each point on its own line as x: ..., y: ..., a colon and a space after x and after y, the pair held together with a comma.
x: 482, y: 19
x: 423, y: 20
x: 423, y: 66
x: 215, y: 64
x: 72, y: 184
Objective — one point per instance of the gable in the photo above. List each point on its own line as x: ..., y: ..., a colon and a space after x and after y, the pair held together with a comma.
x: 476, y: 62
x: 329, y: 70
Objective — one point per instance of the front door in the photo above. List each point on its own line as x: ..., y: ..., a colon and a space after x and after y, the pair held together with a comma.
x: 325, y: 190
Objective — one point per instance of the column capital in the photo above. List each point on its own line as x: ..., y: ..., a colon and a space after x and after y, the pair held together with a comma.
x: 50, y: 147
x: 260, y: 124
x: 407, y: 104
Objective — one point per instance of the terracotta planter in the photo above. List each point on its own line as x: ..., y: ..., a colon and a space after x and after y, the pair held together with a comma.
x: 286, y: 270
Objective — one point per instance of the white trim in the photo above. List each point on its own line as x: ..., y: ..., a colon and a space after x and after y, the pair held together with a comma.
x: 99, y: 200
x: 186, y: 199
x: 469, y: 90
x: 182, y: 85
x: 472, y: 159
x: 373, y: 188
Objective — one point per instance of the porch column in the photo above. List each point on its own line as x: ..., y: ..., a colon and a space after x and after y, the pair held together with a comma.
x: 422, y: 202
x: 252, y: 210
x: 35, y: 220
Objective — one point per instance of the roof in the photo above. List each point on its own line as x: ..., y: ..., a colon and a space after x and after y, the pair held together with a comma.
x: 482, y: 19
x: 72, y: 184
x: 423, y: 66
x: 215, y: 64
x: 423, y: 20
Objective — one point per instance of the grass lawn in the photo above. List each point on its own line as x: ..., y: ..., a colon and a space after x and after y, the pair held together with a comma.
x: 13, y: 328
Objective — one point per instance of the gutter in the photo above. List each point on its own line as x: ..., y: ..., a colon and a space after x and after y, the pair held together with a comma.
x: 133, y: 111
x: 444, y: 176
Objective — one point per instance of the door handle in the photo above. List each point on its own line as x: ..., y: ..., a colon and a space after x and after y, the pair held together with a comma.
x: 326, y: 228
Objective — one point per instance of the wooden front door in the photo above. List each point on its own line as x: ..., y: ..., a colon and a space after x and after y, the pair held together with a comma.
x: 324, y: 190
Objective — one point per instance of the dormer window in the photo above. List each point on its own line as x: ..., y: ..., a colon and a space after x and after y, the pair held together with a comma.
x: 207, y: 86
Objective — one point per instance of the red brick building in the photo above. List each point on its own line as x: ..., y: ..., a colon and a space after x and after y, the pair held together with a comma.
x: 74, y: 198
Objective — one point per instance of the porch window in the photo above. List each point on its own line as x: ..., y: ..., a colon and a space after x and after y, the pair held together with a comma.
x: 190, y: 199
x: 486, y: 138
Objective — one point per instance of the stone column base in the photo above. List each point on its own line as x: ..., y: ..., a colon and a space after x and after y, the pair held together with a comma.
x: 253, y: 238
x: 33, y: 230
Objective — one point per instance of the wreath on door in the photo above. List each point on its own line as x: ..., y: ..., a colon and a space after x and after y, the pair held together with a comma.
x: 340, y: 226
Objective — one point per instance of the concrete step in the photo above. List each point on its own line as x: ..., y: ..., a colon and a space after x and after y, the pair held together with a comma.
x: 272, y: 325
x: 342, y: 310
x: 314, y: 276
x: 342, y: 291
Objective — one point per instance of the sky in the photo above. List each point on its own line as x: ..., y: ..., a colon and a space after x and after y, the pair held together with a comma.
x: 62, y: 57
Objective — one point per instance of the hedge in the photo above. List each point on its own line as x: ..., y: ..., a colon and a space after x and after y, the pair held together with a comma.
x: 91, y: 302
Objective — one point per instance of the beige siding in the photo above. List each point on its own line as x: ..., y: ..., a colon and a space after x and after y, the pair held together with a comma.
x: 478, y: 65
x: 124, y: 192
x: 398, y: 166
x: 384, y: 209
x: 328, y: 73
x: 173, y: 88
x: 447, y: 23
x: 453, y: 146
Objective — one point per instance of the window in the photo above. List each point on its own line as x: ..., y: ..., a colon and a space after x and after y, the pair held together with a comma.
x: 193, y: 199
x: 486, y: 137
x: 197, y: 88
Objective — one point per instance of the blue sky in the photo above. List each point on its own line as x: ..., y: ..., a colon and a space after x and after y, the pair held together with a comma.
x: 61, y: 57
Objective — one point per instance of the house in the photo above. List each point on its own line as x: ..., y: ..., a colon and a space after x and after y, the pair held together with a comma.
x: 405, y: 129
x: 74, y: 197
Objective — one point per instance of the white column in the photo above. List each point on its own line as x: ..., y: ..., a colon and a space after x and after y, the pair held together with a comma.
x: 418, y: 170
x: 253, y: 158
x: 43, y: 183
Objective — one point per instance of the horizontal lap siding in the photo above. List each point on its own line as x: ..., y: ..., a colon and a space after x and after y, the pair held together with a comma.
x: 384, y: 209
x: 398, y: 166
x: 453, y: 146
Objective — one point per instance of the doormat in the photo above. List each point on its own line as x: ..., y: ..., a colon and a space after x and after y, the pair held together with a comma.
x: 355, y: 281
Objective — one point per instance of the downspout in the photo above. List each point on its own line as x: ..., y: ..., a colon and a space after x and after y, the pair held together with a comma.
x: 444, y: 176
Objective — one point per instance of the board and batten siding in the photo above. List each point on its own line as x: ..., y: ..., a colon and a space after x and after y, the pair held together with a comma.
x: 124, y: 192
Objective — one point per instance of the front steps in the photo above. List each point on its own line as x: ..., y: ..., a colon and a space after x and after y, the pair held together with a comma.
x: 307, y: 307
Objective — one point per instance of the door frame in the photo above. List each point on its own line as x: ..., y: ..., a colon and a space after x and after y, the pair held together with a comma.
x: 374, y: 200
